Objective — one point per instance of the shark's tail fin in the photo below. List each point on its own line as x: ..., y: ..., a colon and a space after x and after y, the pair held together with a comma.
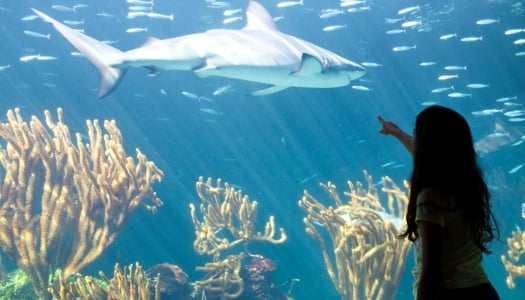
x: 100, y: 54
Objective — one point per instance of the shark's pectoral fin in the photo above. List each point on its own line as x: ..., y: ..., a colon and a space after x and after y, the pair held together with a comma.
x: 153, y: 72
x: 268, y: 91
x: 309, y: 66
x: 203, y: 71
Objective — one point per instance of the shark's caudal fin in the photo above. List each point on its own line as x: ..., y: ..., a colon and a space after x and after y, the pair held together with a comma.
x: 98, y: 53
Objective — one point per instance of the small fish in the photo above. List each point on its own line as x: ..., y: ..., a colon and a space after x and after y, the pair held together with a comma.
x: 191, y: 95
x: 516, y: 168
x: 505, y: 99
x: 487, y: 21
x: 137, y: 29
x: 410, y: 24
x: 511, y: 104
x: 221, y: 90
x: 448, y: 36
x: 28, y: 58
x: 443, y: 89
x: 46, y: 57
x: 62, y: 8
x: 448, y: 77
x: 219, y: 4
x: 284, y: 4
x: 305, y: 180
x: 393, y: 21
x: 519, y: 42
x: 76, y: 54
x: 231, y: 20
x: 486, y: 112
x: 334, y: 27
x: 514, y: 113
x: 3, y: 68
x: 140, y: 2
x: 470, y: 39
x: 522, y: 53
x: 455, y: 68
x: 403, y: 48
x: 73, y: 23
x: 347, y: 3
x: 371, y: 64
x: 153, y: 15
x: 388, y: 164
x: 196, y: 97
x: 204, y: 98
x: 427, y: 63
x: 477, y: 85
x: 29, y: 18
x: 459, y: 95
x: 136, y: 14
x: 395, y: 31
x: 210, y: 111
x: 140, y: 8
x: 49, y: 85
x: 80, y: 5
x: 516, y: 120
x: 37, y: 35
x: 106, y: 15
x: 329, y: 13
x: 408, y: 10
x: 231, y: 12
x: 361, y: 88
x: 514, y: 31
x: 358, y: 9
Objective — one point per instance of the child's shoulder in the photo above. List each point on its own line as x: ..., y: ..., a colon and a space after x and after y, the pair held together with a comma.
x: 436, y: 197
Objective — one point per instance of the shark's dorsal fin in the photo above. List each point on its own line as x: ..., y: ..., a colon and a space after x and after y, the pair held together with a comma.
x: 149, y: 41
x: 257, y: 17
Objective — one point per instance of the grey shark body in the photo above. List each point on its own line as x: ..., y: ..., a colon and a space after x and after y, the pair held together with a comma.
x: 259, y: 53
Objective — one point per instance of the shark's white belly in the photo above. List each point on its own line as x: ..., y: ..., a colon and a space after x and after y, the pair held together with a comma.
x: 285, y: 76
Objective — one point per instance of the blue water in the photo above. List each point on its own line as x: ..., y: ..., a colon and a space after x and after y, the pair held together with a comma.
x: 276, y: 146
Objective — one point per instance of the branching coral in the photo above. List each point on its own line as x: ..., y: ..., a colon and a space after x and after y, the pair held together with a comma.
x: 64, y: 201
x: 363, y: 257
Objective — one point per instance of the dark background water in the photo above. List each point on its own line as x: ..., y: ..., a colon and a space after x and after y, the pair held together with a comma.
x: 271, y: 145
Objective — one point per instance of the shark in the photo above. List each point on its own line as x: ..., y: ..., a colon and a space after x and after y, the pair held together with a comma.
x: 258, y: 52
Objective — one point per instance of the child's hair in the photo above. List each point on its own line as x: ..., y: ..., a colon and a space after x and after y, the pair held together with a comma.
x: 445, y: 160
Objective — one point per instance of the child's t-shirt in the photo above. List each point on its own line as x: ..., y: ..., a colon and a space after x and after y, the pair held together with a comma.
x: 462, y: 258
